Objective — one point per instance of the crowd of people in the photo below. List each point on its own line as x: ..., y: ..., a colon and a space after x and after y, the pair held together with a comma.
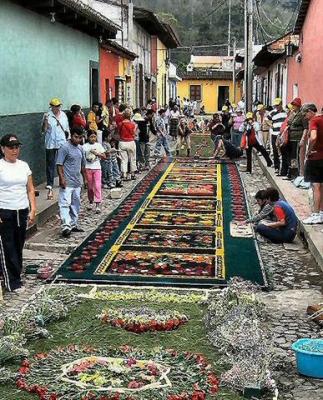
x: 113, y: 143
x: 290, y: 140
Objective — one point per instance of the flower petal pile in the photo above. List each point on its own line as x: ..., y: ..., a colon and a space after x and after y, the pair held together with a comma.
x: 154, y: 296
x: 77, y: 373
x: 141, y: 320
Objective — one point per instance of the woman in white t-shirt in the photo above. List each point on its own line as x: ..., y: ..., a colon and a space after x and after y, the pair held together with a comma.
x: 94, y: 152
x: 17, y: 209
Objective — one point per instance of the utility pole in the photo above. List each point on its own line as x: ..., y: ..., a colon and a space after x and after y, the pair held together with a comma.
x: 229, y: 30
x: 234, y: 69
x: 248, y: 53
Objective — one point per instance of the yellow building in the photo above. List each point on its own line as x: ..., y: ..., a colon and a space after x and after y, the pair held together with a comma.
x: 211, y: 88
x: 209, y: 80
x: 162, y: 73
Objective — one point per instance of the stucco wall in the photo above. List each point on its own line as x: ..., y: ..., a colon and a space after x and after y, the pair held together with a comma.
x: 209, y: 92
x: 40, y: 60
x: 308, y: 73
x: 162, y: 71
x: 109, y: 69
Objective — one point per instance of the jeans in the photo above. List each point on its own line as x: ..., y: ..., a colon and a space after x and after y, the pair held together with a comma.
x: 276, y: 235
x: 145, y: 153
x: 13, y: 227
x: 162, y: 141
x: 51, y: 155
x: 110, y: 172
x: 263, y: 152
x: 275, y: 152
x: 236, y: 138
x: 94, y: 185
x: 69, y: 202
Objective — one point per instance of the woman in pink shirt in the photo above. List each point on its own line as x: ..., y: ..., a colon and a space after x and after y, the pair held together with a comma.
x: 236, y: 135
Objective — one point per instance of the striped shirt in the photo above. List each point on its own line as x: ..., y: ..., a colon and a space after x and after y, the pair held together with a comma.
x: 277, y: 118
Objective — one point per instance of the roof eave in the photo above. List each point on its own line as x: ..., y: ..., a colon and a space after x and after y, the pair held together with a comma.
x: 303, y: 9
x: 119, y: 50
x: 75, y: 14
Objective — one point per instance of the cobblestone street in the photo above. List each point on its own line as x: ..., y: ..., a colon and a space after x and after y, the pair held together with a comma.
x: 295, y: 281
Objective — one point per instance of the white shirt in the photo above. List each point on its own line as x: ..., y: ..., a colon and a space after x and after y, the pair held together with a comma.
x: 97, y: 147
x: 55, y: 135
x: 13, y: 185
x: 175, y: 114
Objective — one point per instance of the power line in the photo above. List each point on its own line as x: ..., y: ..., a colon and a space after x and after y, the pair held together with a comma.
x: 213, y: 11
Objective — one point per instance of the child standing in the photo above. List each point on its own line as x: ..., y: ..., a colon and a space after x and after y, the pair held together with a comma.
x: 94, y: 151
x: 111, y: 173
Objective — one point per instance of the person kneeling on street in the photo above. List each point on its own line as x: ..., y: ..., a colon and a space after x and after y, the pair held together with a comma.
x: 284, y: 228
x: 224, y: 148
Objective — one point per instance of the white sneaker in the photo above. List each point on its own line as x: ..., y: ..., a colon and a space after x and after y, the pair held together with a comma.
x: 97, y: 209
x: 90, y: 207
x: 315, y: 218
x: 20, y: 290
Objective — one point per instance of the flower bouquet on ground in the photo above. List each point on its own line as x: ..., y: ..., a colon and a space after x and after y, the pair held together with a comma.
x: 76, y: 373
x: 141, y: 320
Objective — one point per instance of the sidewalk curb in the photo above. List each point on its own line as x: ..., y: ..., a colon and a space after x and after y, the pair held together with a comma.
x: 305, y: 229
x: 42, y: 217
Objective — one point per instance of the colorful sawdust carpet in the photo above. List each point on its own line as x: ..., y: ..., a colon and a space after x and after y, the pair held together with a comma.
x: 173, y: 229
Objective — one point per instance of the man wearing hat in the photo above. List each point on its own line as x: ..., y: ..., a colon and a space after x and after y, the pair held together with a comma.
x: 277, y: 117
x: 298, y: 127
x: 226, y: 121
x: 261, y: 118
x: 56, y: 129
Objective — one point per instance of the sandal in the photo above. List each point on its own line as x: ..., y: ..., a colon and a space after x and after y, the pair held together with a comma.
x: 50, y: 195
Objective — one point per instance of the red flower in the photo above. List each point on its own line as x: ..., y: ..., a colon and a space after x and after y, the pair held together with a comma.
x: 23, y: 370
x: 21, y: 384
x: 41, y: 356
x: 135, y: 385
x: 198, y: 395
x: 25, y: 363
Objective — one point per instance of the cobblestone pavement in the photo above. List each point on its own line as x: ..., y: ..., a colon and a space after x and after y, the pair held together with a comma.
x: 295, y: 282
x: 294, y: 277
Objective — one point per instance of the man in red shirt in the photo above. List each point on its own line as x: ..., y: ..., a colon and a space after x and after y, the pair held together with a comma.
x: 314, y: 162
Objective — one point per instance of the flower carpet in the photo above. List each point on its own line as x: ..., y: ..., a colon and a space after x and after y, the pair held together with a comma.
x: 119, y: 374
x: 173, y: 229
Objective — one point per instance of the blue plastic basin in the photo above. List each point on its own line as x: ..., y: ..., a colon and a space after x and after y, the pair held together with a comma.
x: 309, y: 363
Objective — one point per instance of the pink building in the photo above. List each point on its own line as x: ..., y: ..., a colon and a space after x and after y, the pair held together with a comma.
x: 305, y: 68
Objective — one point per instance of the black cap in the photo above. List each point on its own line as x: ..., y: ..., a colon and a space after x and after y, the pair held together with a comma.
x: 10, y: 141
x: 309, y: 107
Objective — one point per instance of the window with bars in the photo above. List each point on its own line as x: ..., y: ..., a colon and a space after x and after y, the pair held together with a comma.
x: 195, y: 92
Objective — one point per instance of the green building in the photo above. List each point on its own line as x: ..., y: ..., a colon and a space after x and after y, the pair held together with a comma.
x: 47, y: 49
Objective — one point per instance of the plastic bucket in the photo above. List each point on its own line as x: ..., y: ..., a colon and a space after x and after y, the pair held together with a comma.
x: 309, y: 357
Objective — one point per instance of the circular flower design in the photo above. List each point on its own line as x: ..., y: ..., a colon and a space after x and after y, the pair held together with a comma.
x: 140, y: 320
x: 77, y: 373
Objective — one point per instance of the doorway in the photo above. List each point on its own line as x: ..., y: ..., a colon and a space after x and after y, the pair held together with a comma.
x: 94, y: 82
x: 223, y: 95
